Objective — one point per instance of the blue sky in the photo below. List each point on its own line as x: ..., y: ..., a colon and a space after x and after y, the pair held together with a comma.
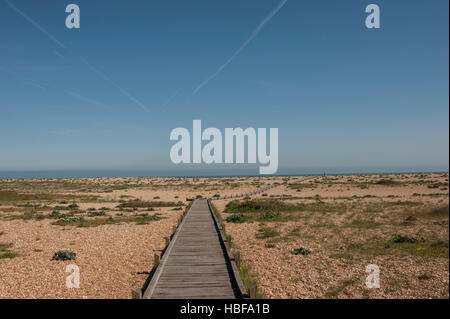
x: 107, y: 95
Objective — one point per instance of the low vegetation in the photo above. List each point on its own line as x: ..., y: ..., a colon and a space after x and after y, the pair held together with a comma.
x: 339, y: 289
x: 387, y: 182
x: 258, y: 206
x: 14, y: 196
x: 267, y: 232
x: 5, y: 251
x: 275, y: 210
x: 301, y: 251
x: 64, y: 255
x: 96, y: 213
x: 136, y: 203
x: 236, y: 218
x: 138, y: 219
x: 405, y: 239
x: 399, y: 245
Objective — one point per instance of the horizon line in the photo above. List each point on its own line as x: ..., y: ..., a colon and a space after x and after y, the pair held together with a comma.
x: 69, y: 174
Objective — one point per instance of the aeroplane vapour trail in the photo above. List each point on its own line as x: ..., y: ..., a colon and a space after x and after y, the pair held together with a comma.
x: 92, y: 68
x: 242, y: 47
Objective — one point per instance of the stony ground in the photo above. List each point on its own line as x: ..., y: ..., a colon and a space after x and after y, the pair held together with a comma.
x: 114, y: 245
x: 342, y: 225
x: 116, y: 225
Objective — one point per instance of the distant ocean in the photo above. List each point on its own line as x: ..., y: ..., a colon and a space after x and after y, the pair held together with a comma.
x: 58, y: 174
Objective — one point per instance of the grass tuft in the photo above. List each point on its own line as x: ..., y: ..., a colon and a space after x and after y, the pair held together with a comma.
x: 301, y: 251
x: 5, y: 251
x: 266, y: 232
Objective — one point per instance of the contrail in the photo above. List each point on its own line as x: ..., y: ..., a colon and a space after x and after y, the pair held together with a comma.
x: 242, y: 47
x: 28, y: 82
x: 107, y: 79
x: 59, y: 55
x: 35, y: 24
x: 36, y: 84
x: 85, y: 99
x: 43, y: 86
x: 170, y: 98
x: 104, y: 77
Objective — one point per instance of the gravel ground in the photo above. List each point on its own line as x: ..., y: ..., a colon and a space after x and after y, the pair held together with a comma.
x: 283, y: 275
x: 115, y: 258
x: 110, y: 258
x: 328, y: 272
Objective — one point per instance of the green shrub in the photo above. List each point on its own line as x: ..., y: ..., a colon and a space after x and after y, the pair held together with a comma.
x: 64, y: 255
x: 95, y: 213
x: 424, y: 277
x: 301, y: 251
x: 54, y: 214
x: 236, y: 218
x: 71, y: 219
x: 404, y: 239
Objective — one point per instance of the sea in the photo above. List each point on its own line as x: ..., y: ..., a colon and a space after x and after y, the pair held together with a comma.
x: 61, y: 174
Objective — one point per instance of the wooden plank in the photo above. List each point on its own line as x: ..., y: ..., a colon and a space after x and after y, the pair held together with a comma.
x: 195, y: 264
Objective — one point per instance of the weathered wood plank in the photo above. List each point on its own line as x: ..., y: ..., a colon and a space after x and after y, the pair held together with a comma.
x: 195, y: 264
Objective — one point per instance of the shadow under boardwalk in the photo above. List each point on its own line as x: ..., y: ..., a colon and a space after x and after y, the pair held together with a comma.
x: 195, y: 264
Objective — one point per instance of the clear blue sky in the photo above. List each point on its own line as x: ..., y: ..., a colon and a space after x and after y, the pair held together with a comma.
x: 342, y: 96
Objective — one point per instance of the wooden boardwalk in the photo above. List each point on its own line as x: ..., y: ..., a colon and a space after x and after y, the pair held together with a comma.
x: 258, y: 191
x: 196, y: 263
